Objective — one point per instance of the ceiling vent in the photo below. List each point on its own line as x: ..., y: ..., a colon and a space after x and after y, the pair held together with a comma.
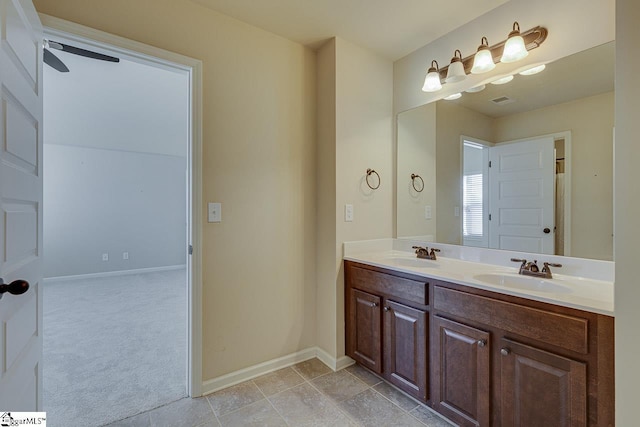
x: 502, y: 100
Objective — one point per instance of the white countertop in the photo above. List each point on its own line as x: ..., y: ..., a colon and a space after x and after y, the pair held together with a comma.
x: 585, y: 293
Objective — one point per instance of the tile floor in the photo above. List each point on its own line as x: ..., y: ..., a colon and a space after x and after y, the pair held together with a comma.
x: 306, y: 394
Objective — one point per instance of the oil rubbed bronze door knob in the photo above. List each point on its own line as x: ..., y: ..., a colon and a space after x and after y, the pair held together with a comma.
x: 546, y: 230
x: 17, y: 287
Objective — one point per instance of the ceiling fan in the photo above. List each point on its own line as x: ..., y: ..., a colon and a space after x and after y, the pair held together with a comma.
x: 55, y: 62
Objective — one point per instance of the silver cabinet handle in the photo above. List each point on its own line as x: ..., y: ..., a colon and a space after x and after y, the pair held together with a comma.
x: 482, y: 343
x: 374, y: 304
x: 505, y: 351
x: 387, y: 309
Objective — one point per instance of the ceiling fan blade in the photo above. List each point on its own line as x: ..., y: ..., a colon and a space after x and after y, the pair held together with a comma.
x: 82, y: 52
x: 53, y: 61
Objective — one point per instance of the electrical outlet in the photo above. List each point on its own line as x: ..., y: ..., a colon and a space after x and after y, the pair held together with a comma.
x: 214, y: 212
x: 427, y: 212
x: 105, y: 257
x: 125, y: 255
x: 348, y: 213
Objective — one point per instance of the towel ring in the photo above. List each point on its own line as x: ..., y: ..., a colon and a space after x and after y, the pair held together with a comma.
x: 413, y: 182
x: 369, y: 173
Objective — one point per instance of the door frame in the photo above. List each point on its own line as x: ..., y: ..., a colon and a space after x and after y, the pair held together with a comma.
x: 139, y: 52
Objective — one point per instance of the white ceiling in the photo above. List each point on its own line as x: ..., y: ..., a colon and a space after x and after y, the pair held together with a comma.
x: 391, y: 28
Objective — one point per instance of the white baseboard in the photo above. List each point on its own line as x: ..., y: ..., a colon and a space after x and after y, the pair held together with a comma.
x: 255, y: 371
x: 332, y: 362
x: 112, y: 273
x: 251, y: 372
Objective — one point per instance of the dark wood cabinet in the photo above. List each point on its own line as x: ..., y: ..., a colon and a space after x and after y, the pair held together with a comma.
x: 405, y: 348
x: 481, y: 358
x: 365, y: 344
x: 461, y: 361
x: 540, y: 388
x: 387, y: 327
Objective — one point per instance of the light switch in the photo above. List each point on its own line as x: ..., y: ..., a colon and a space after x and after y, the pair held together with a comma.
x: 348, y: 213
x: 456, y: 211
x: 215, y: 212
x: 427, y: 212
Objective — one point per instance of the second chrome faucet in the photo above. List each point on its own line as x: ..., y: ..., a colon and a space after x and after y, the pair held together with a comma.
x: 531, y: 268
x: 424, y: 252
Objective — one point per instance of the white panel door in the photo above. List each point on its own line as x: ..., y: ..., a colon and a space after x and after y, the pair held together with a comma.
x: 20, y: 205
x: 521, y: 196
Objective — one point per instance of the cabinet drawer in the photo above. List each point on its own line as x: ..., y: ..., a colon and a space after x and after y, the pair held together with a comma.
x: 373, y: 281
x: 552, y: 328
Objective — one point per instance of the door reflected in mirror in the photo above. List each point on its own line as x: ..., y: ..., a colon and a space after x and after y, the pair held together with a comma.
x: 571, y: 104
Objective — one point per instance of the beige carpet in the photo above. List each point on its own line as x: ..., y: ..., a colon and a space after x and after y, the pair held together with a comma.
x: 113, y: 347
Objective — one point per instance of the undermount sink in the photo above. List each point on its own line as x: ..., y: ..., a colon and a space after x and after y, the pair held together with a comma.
x: 527, y: 283
x: 409, y: 261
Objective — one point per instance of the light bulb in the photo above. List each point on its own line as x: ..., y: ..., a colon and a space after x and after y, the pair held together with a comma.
x: 455, y: 72
x: 514, y: 48
x: 483, y: 61
x: 432, y: 81
x: 502, y: 80
x: 453, y: 96
x: 532, y: 71
x: 475, y: 89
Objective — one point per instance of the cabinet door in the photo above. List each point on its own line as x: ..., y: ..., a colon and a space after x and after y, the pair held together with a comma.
x: 461, y: 372
x: 405, y: 348
x: 365, y: 344
x: 541, y: 388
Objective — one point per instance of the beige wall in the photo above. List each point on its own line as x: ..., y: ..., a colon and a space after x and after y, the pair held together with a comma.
x: 326, y: 192
x: 259, y: 293
x: 590, y: 121
x: 452, y: 121
x: 416, y: 154
x: 364, y: 96
x: 627, y: 211
x: 363, y: 134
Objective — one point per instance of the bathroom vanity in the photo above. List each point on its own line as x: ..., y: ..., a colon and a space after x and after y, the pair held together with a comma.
x: 537, y: 353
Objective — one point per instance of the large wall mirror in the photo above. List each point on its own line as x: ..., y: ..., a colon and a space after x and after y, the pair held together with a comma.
x: 557, y: 123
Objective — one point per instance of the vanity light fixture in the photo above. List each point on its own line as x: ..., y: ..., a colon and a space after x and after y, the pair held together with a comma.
x: 514, y: 48
x: 453, y: 96
x: 476, y: 89
x: 432, y: 81
x: 456, y: 72
x: 502, y: 80
x: 483, y: 61
x: 485, y: 58
x: 532, y: 71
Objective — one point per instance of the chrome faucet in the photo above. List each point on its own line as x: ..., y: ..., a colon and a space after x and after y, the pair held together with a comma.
x: 532, y: 269
x: 424, y: 252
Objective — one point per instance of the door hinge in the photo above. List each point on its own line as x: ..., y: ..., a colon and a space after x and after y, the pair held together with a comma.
x: 489, y: 217
x: 190, y: 249
x: 489, y: 163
